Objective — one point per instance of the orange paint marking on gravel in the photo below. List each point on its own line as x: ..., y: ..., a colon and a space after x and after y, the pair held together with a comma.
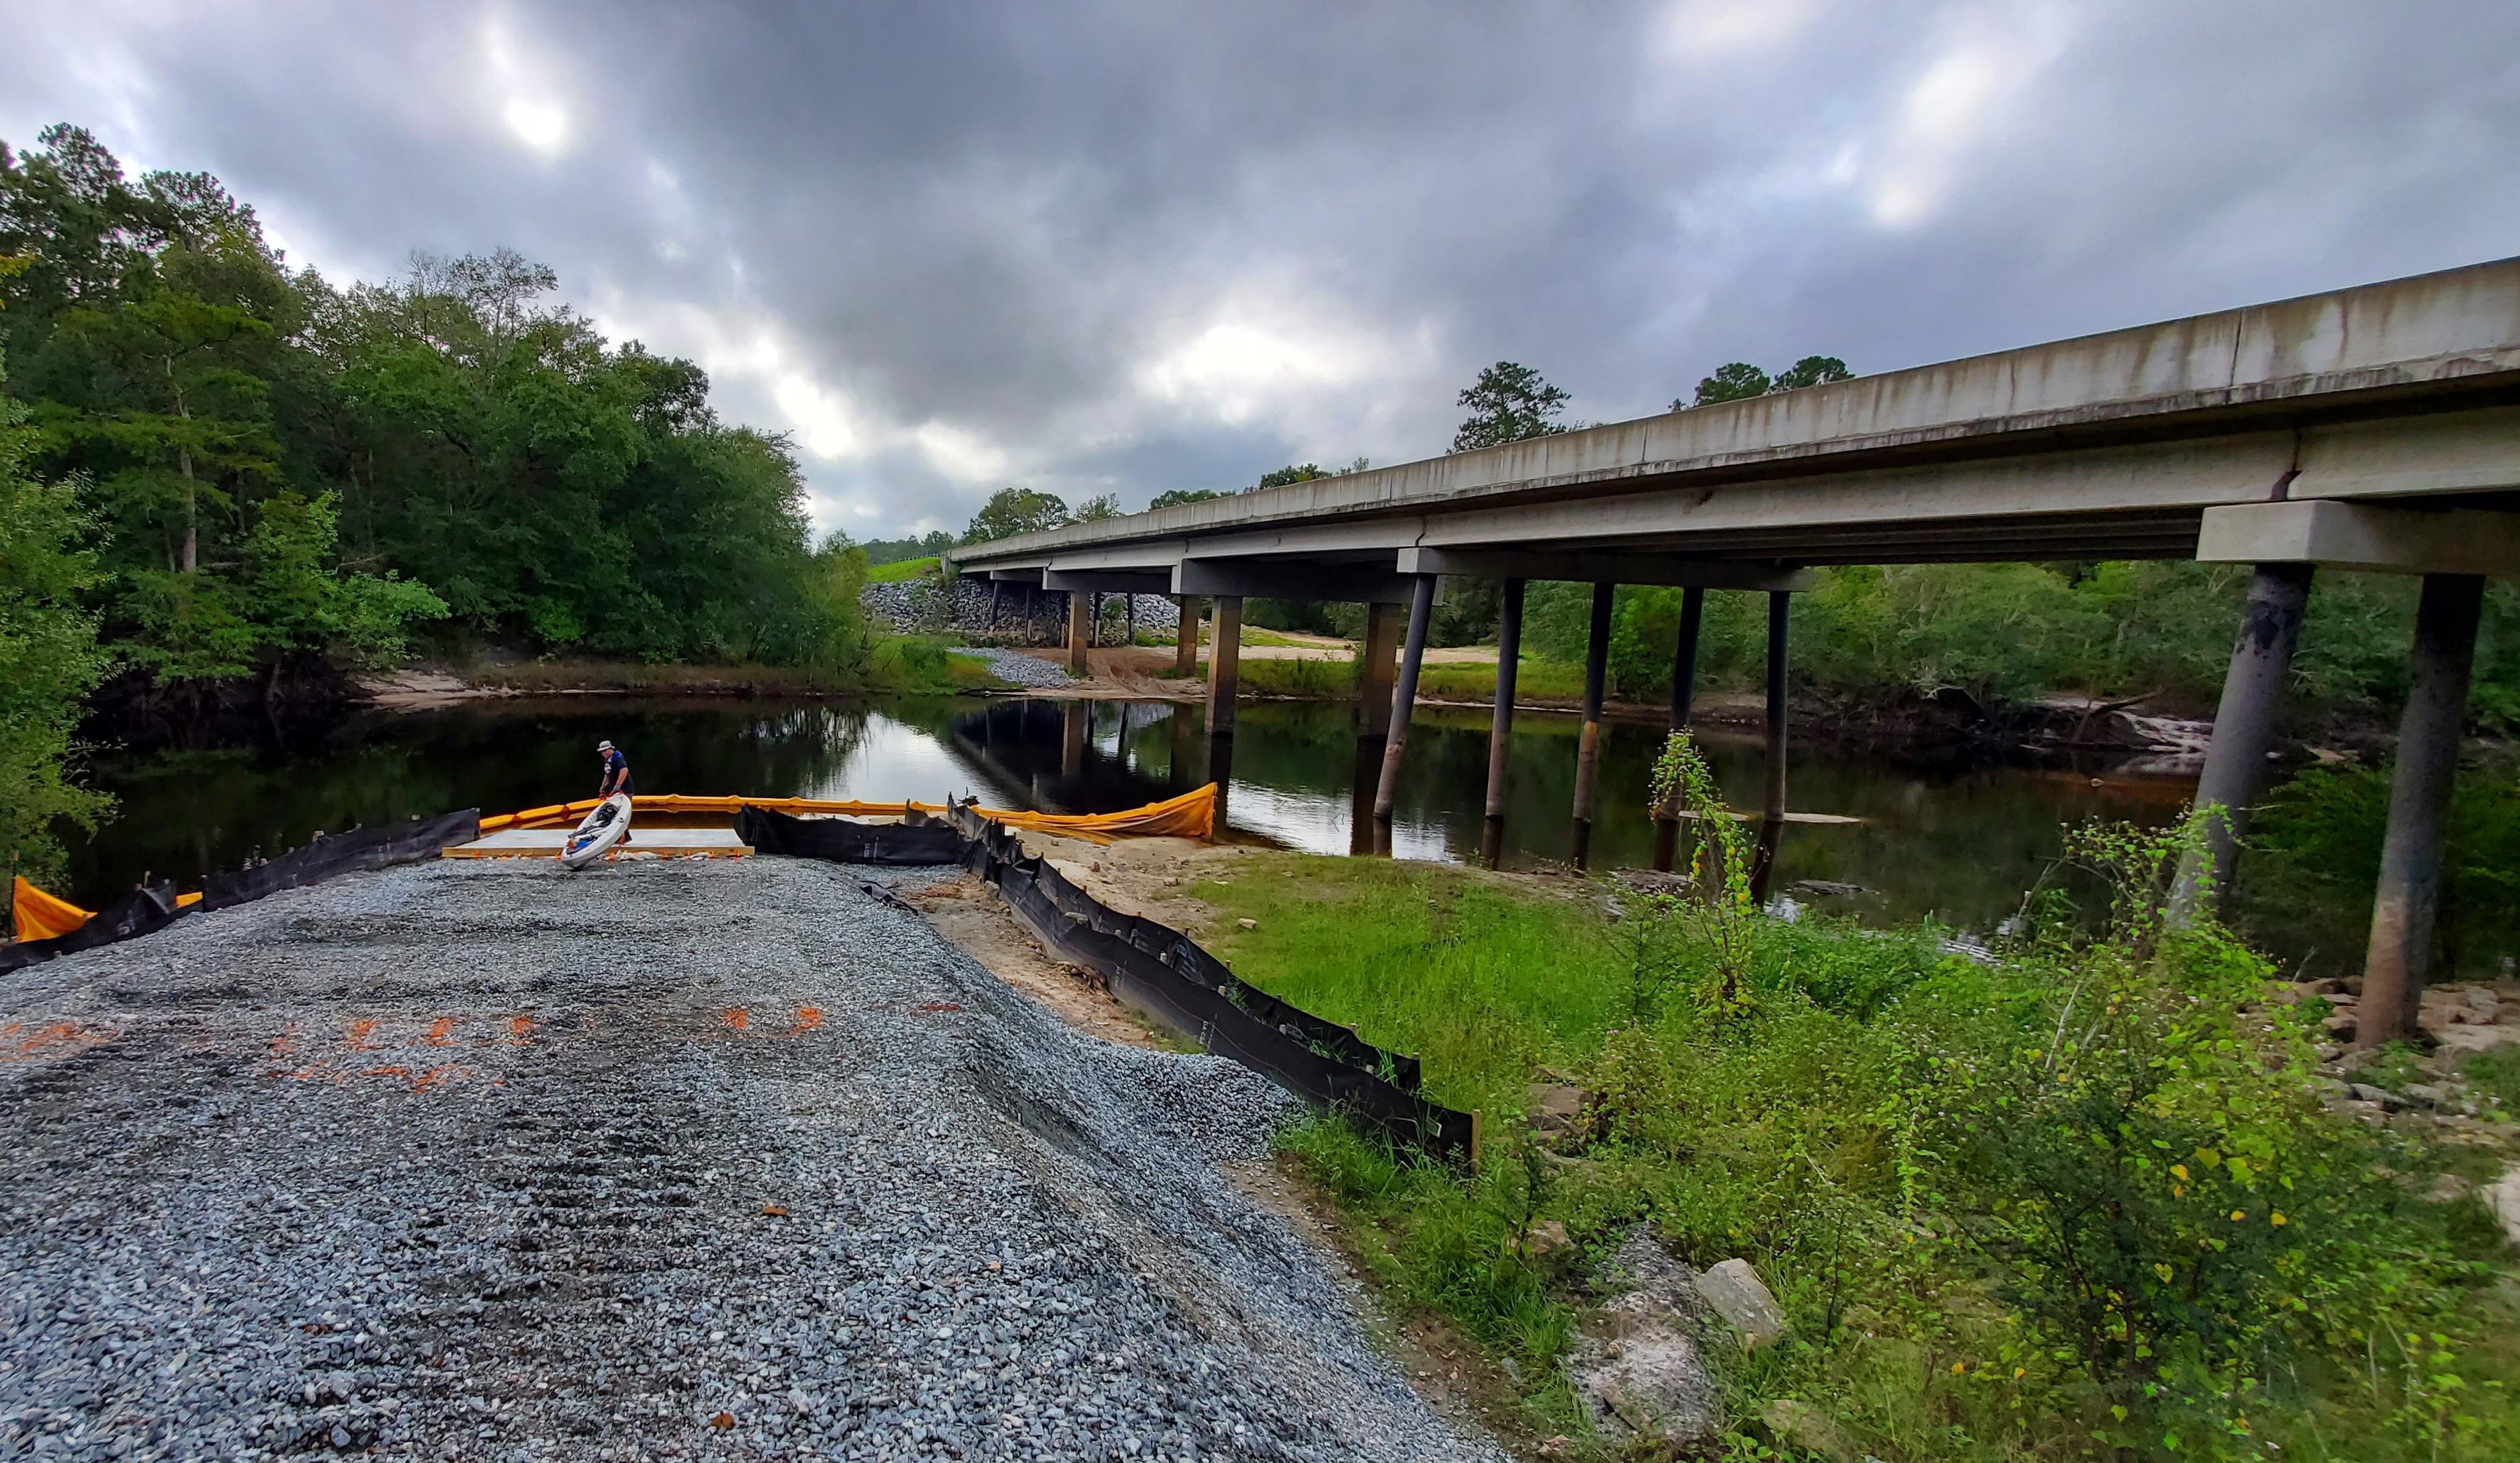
x: 738, y: 1018
x: 439, y: 1030
x: 287, y: 1042
x: 59, y: 1034
x: 932, y: 1008
x: 360, y: 1031
x: 807, y: 1018
x: 520, y: 1030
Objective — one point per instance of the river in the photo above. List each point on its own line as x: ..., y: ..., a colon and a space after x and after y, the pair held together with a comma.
x: 1958, y: 846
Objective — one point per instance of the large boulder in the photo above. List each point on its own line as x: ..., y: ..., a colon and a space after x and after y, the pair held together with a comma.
x: 1733, y: 1291
x: 1637, y: 1369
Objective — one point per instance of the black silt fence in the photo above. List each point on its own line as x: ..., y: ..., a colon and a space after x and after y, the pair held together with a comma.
x: 341, y: 853
x: 144, y: 909
x: 1151, y: 967
x: 153, y: 907
x: 847, y: 840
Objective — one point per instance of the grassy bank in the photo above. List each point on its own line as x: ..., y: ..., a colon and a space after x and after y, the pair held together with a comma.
x: 1552, y: 683
x: 893, y: 665
x: 2084, y: 1203
x: 903, y: 570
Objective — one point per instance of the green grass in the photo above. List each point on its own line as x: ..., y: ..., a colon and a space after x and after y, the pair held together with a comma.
x: 1257, y: 635
x: 901, y: 570
x: 1538, y: 683
x: 905, y: 664
x: 1480, y: 978
x: 1876, y: 1127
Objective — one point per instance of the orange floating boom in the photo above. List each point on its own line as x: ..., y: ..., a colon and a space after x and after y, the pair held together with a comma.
x: 1192, y: 814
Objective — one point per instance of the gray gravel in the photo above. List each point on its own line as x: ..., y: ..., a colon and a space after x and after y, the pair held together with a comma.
x: 963, y: 607
x: 1018, y: 668
x: 469, y: 1161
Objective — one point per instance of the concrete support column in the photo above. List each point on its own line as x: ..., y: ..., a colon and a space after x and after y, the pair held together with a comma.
x: 1404, y: 694
x: 1772, y: 812
x: 1501, y: 725
x: 1093, y: 621
x: 997, y: 592
x: 1225, y: 665
x: 1077, y: 630
x: 1183, y: 774
x: 2404, y: 906
x: 1185, y: 636
x: 1071, y: 738
x: 1588, y: 751
x: 1361, y: 827
x: 1374, y: 670
x: 1684, y: 695
x: 1129, y: 606
x: 2244, y: 732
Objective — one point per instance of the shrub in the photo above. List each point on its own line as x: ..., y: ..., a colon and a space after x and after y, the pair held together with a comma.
x: 2081, y: 1202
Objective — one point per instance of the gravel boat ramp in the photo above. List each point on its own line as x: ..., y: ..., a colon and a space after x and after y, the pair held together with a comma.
x: 682, y: 1159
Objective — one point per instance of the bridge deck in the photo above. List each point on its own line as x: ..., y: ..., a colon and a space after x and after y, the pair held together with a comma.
x: 2107, y: 445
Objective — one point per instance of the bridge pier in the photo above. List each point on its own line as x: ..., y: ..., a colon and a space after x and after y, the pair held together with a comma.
x: 1184, y: 749
x: 1076, y: 632
x: 1375, y: 670
x: 1500, y: 726
x: 1185, y: 637
x: 1588, y: 751
x: 1771, y: 812
x: 1225, y: 665
x: 997, y: 592
x: 1404, y: 694
x: 1684, y: 694
x: 1071, y: 740
x: 2407, y: 902
x: 2245, y: 733
x: 1130, y: 614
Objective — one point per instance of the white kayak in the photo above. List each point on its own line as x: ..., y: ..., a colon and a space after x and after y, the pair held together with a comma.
x: 604, y: 827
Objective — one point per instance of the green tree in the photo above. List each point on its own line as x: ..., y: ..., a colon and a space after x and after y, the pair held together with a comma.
x: 48, y: 659
x: 286, y: 468
x: 1507, y: 403
x: 1810, y: 371
x: 1011, y: 511
x: 1172, y: 495
x: 1740, y: 381
x: 1734, y: 380
x: 1290, y: 472
x: 1098, y: 508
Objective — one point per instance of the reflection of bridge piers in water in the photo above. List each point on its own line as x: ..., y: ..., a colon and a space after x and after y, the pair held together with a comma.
x: 1077, y: 756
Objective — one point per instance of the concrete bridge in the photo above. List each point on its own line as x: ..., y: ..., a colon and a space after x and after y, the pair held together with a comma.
x: 2373, y: 429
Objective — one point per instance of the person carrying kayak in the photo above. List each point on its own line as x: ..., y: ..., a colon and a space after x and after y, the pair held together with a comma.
x: 617, y: 777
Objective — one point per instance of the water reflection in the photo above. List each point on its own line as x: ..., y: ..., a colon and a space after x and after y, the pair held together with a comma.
x: 1958, y: 847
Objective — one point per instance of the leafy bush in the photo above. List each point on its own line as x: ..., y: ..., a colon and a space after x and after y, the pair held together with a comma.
x: 2082, y: 1202
x: 2313, y: 859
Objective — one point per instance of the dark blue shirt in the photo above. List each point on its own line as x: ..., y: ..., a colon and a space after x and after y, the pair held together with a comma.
x: 616, y: 772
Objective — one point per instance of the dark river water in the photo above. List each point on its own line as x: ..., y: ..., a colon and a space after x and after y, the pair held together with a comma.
x: 1958, y: 847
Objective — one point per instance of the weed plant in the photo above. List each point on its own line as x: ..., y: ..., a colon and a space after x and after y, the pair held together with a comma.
x: 2081, y: 1201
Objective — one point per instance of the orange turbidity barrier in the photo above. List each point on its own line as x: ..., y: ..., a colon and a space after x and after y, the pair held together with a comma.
x: 41, y: 916
x: 1192, y: 814
x: 37, y: 915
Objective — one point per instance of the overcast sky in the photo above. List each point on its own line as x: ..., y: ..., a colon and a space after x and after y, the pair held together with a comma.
x: 1127, y: 248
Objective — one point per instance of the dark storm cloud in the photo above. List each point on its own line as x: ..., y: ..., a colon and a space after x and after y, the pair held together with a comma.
x: 1132, y: 248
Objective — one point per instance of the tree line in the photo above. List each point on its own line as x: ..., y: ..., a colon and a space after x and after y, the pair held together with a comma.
x: 219, y: 471
x: 274, y: 469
